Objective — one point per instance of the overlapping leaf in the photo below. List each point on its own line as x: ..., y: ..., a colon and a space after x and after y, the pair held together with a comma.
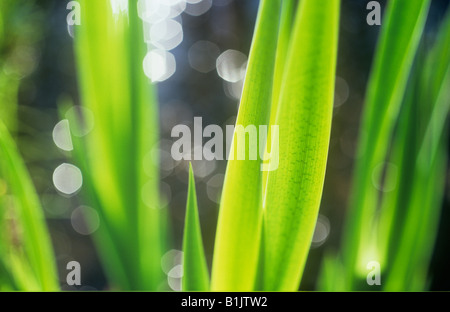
x: 121, y: 168
x: 239, y: 226
x: 25, y: 246
x: 195, y: 270
x: 294, y: 190
x: 399, y: 39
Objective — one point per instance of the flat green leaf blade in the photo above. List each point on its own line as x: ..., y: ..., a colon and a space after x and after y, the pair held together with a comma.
x: 419, y: 230
x: 151, y: 220
x: 294, y: 190
x: 124, y: 172
x: 284, y: 41
x: 239, y: 225
x: 195, y: 270
x: 400, y: 35
x: 35, y: 237
x: 421, y: 99
x: 100, y: 42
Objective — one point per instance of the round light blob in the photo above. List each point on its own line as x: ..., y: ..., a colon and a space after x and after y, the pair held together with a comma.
x: 119, y: 6
x: 174, y: 283
x: 198, y: 7
x: 61, y: 135
x: 174, y: 277
x: 153, y: 11
x: 84, y: 118
x: 202, y: 168
x: 176, y: 271
x: 203, y: 55
x: 177, y: 8
x: 85, y: 220
x: 159, y: 65
x: 321, y: 231
x: 170, y: 259
x: 174, y: 2
x: 166, y: 35
x: 233, y: 90
x: 342, y: 92
x: 67, y: 179
x: 214, y: 187
x: 231, y: 65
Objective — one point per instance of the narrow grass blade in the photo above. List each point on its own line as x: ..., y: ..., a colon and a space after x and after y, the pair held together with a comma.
x: 403, y: 26
x: 239, y: 225
x: 284, y: 41
x: 151, y: 215
x: 421, y: 98
x: 31, y: 231
x: 399, y: 169
x: 294, y: 190
x: 420, y: 226
x: 423, y: 251
x: 123, y: 170
x: 433, y: 167
x: 195, y: 270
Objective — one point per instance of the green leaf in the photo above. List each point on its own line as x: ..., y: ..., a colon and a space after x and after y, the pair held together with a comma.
x: 195, y: 270
x: 284, y: 41
x: 30, y: 249
x: 294, y: 190
x: 400, y: 170
x: 118, y: 156
x: 400, y: 35
x: 417, y: 234
x: 399, y: 206
x: 239, y: 225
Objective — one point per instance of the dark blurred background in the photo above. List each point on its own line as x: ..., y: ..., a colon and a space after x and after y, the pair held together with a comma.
x: 200, y: 86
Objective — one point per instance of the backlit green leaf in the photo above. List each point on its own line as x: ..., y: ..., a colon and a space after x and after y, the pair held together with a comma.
x: 294, y: 190
x: 400, y: 35
x: 195, y: 270
x: 239, y: 225
x: 122, y: 166
x: 27, y: 245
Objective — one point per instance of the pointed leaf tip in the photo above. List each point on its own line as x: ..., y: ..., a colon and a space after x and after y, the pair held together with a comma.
x: 196, y: 276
